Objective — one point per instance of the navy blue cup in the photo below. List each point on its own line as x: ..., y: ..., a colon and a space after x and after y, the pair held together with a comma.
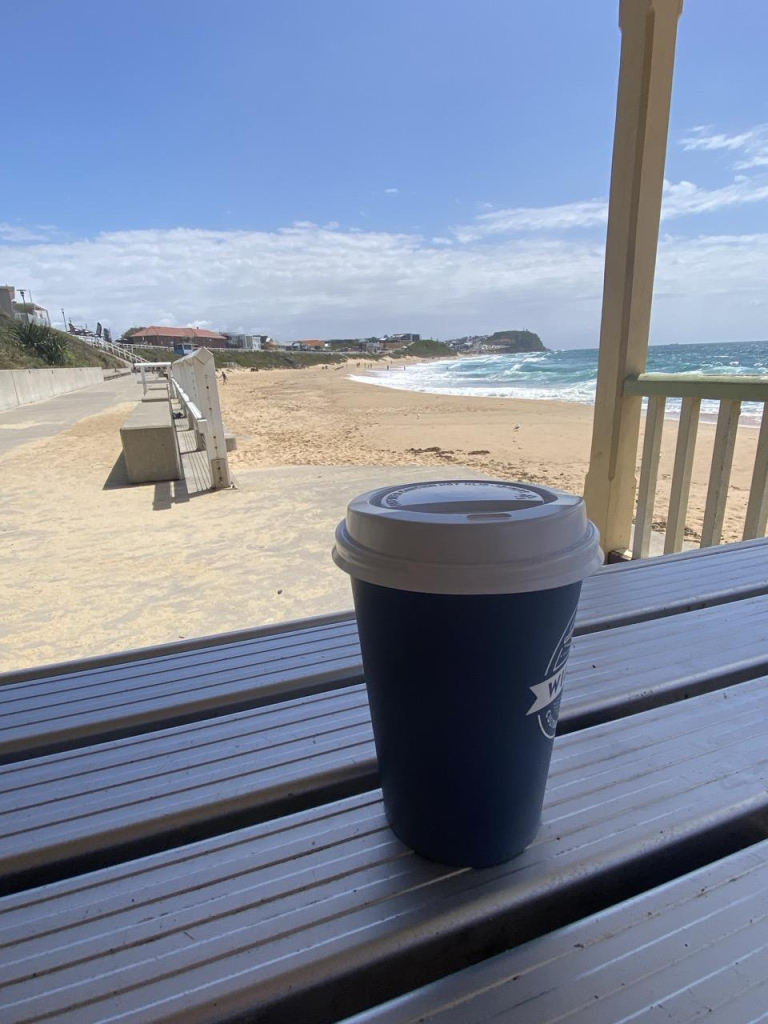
x: 466, y: 595
x: 464, y: 709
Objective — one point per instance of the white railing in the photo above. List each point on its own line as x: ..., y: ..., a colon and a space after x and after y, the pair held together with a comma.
x: 121, y: 351
x: 730, y: 392
x: 193, y: 379
x: 163, y: 371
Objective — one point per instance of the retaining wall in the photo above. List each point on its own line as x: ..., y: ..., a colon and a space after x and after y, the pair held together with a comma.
x: 20, y: 387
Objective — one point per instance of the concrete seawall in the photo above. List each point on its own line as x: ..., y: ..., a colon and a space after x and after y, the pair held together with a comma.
x: 20, y: 387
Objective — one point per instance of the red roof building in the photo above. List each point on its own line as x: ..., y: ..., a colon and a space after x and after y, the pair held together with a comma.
x: 170, y: 336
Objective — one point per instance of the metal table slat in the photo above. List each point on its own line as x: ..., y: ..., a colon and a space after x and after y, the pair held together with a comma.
x: 654, y: 588
x: 54, y: 713
x: 49, y: 715
x: 695, y: 948
x: 122, y: 659
x: 316, y: 916
x: 673, y: 584
x: 102, y: 800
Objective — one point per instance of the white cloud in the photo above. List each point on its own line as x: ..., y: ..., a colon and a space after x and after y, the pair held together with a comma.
x: 704, y: 138
x: 18, y: 233
x: 753, y: 144
x: 536, y: 218
x: 391, y: 191
x: 684, y: 198
x: 680, y: 199
x: 309, y: 281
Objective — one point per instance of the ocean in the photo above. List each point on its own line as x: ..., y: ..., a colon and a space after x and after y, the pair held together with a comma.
x: 570, y: 375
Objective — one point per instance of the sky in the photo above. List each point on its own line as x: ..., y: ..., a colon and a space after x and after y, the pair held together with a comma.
x: 349, y: 168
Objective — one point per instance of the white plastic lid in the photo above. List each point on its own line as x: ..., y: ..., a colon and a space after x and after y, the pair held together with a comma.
x: 467, y: 537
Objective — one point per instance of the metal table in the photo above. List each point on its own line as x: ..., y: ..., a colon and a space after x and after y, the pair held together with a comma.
x: 193, y: 832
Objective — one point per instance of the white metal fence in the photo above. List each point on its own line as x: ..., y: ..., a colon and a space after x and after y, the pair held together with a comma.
x: 193, y: 379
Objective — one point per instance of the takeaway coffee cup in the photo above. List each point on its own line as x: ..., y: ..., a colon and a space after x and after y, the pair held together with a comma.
x: 466, y: 594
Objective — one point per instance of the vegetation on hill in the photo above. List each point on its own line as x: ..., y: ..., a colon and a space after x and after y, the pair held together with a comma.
x: 41, y: 342
x: 426, y: 349
x: 518, y: 341
x: 80, y: 354
x: 274, y: 360
x: 32, y: 346
x: 288, y: 360
x: 259, y: 360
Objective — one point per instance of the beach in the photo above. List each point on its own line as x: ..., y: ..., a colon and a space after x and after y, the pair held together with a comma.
x: 98, y: 566
x: 320, y: 417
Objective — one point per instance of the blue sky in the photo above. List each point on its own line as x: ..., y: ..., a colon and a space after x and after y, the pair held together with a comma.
x: 350, y: 167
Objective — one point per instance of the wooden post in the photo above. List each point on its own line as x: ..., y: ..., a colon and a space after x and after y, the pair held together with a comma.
x: 720, y: 473
x: 649, y: 474
x: 649, y: 32
x: 681, y: 474
x: 757, y: 509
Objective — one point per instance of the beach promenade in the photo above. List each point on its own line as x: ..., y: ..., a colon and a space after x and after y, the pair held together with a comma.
x: 53, y: 415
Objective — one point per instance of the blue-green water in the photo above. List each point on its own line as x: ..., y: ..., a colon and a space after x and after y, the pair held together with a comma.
x: 569, y: 375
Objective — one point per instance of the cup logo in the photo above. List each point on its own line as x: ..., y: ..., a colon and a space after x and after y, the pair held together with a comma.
x: 547, y: 694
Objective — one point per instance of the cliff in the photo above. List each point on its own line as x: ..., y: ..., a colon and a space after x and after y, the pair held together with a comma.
x: 517, y: 341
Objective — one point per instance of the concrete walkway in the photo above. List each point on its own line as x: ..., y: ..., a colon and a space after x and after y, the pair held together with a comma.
x: 52, y: 415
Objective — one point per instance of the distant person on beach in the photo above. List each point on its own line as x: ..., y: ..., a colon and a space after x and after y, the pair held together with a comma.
x: 223, y: 377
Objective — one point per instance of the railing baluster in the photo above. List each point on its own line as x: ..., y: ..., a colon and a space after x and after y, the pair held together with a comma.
x: 681, y: 475
x: 649, y: 471
x: 757, y: 508
x: 720, y: 472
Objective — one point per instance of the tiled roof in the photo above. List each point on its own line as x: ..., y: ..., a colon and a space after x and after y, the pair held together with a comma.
x: 177, y: 332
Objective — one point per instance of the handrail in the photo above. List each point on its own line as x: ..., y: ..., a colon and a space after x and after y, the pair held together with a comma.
x: 121, y: 351
x: 186, y: 401
x: 730, y: 391
x: 723, y: 387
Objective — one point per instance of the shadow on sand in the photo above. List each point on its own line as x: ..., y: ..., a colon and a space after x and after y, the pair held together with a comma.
x: 167, y: 492
x: 118, y: 475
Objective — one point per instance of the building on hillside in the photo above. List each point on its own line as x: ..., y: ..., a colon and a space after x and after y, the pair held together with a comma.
x: 28, y: 312
x: 298, y: 346
x: 168, y: 337
x: 7, y: 295
x: 403, y: 338
x: 286, y: 346
x: 347, y: 344
x: 248, y: 342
